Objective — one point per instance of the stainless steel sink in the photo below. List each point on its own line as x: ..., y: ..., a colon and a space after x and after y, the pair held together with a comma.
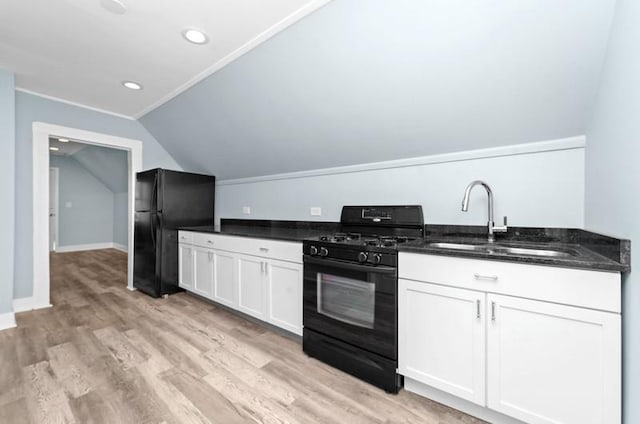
x: 497, y: 248
x: 459, y: 246
x: 538, y: 252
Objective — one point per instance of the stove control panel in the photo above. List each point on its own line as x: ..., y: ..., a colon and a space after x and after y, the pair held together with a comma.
x: 345, y: 253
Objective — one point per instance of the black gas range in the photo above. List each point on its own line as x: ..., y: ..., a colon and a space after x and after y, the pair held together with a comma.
x: 350, y: 294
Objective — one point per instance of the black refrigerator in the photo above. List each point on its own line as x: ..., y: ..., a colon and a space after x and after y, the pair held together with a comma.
x: 165, y: 201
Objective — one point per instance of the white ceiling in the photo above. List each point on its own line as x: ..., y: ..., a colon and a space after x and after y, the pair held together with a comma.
x: 78, y: 51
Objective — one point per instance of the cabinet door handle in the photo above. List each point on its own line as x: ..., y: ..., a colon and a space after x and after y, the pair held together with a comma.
x: 493, y: 311
x: 210, y: 256
x: 266, y: 269
x: 485, y: 277
x: 478, y: 309
x: 261, y: 267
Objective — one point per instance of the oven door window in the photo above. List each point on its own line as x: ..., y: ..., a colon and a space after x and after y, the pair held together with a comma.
x: 347, y: 300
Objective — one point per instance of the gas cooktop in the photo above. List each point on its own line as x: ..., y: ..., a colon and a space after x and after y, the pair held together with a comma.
x: 357, y: 239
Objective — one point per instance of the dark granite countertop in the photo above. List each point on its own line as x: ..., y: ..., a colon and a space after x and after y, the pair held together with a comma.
x: 585, y: 250
x: 269, y: 229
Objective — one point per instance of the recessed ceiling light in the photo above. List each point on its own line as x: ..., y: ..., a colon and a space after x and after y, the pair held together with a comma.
x: 63, y: 140
x: 54, y: 148
x: 132, y: 85
x: 195, y: 36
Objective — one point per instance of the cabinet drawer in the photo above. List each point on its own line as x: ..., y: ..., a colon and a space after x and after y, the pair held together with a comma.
x: 272, y: 249
x: 205, y: 240
x: 185, y: 237
x: 589, y: 289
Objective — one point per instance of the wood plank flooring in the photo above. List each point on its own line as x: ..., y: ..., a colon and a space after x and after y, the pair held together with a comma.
x: 104, y: 354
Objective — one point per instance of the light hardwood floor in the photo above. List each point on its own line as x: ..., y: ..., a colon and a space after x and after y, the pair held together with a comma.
x: 104, y: 354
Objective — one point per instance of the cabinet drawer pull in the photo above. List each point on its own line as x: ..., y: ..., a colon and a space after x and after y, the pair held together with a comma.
x: 183, y: 238
x: 485, y: 277
x: 264, y: 249
x: 478, y: 309
x: 210, y: 241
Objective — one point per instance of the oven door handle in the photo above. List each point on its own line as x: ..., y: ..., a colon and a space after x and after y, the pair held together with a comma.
x: 349, y: 266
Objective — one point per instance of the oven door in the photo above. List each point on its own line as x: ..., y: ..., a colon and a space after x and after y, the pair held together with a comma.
x: 354, y: 303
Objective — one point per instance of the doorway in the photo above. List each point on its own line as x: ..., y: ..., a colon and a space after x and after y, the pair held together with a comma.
x: 42, y: 132
x: 54, y: 178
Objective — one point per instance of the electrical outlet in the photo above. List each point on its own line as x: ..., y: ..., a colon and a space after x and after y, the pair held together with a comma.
x: 246, y: 210
x: 316, y: 211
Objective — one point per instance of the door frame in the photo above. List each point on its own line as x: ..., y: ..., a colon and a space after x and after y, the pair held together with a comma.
x: 56, y: 208
x: 41, y: 133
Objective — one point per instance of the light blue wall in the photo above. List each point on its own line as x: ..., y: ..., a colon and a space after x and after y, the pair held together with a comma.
x: 120, y: 219
x: 7, y: 193
x: 30, y: 108
x: 613, y: 178
x: 86, y: 205
x: 535, y: 189
x: 110, y: 166
x: 358, y: 82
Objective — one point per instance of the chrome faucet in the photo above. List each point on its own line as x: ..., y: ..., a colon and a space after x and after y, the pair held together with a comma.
x: 465, y: 207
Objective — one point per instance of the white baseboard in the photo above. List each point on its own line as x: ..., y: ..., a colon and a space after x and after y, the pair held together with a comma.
x: 7, y: 320
x: 24, y: 304
x: 92, y: 246
x: 120, y: 247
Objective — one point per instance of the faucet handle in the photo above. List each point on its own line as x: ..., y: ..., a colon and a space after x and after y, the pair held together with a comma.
x: 503, y: 228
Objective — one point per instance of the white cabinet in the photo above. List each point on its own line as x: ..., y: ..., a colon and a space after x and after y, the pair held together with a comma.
x: 442, y: 338
x: 185, y: 266
x: 203, y: 271
x: 261, y: 278
x: 284, y: 285
x: 224, y: 277
x: 551, y: 363
x: 506, y: 341
x: 251, y: 286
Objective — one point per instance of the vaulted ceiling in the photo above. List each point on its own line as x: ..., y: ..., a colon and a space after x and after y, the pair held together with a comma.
x: 359, y: 82
x: 82, y: 50
x: 110, y: 166
x: 352, y: 82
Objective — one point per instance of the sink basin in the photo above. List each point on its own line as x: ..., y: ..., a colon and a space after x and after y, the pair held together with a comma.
x: 459, y: 246
x: 497, y: 248
x: 538, y: 252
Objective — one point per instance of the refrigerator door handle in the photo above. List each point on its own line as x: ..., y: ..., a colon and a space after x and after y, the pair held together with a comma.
x: 154, y: 194
x: 153, y: 229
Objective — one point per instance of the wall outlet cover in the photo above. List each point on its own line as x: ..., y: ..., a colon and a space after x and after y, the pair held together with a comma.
x: 246, y: 210
x: 316, y: 211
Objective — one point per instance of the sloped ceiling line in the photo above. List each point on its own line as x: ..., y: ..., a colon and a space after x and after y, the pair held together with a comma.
x: 109, y: 166
x: 362, y: 82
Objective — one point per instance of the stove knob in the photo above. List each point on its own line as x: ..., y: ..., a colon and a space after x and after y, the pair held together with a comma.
x: 377, y: 258
x: 362, y: 256
x: 313, y: 251
x: 324, y: 251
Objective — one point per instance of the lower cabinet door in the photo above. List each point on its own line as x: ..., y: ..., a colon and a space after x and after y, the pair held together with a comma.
x: 550, y: 363
x: 441, y: 338
x: 203, y: 272
x: 251, y: 286
x: 185, y: 266
x: 224, y: 278
x: 284, y: 297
